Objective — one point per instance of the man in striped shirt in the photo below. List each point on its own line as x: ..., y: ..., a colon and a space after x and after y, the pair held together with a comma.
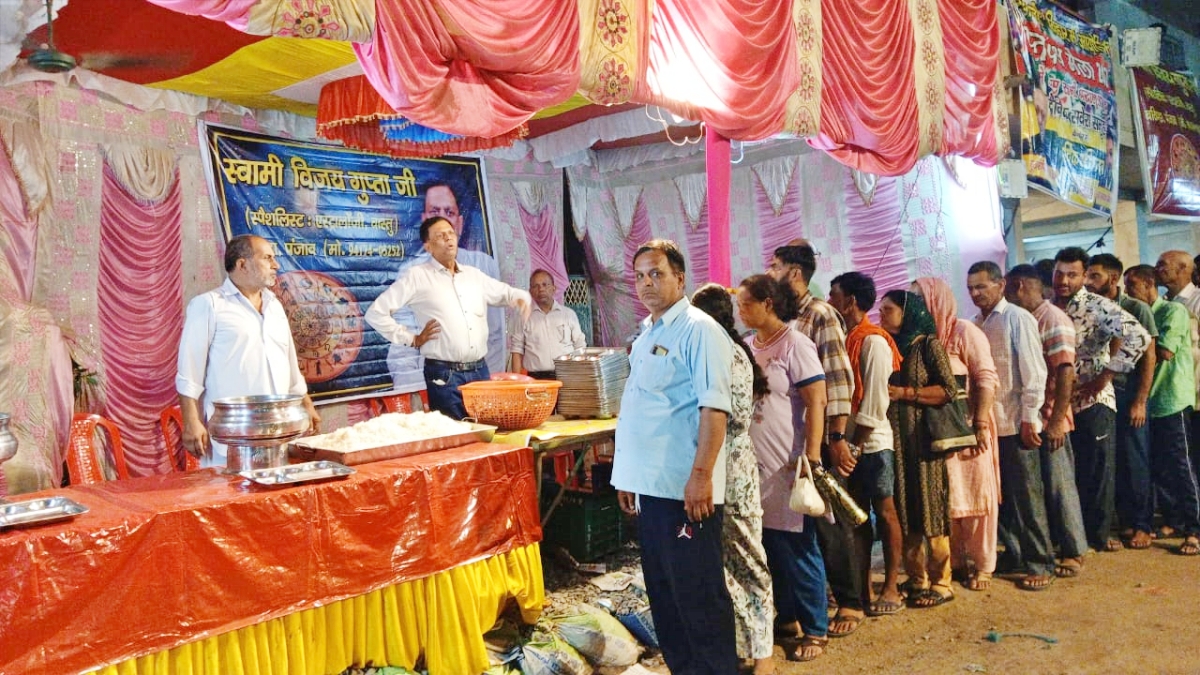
x: 1025, y: 289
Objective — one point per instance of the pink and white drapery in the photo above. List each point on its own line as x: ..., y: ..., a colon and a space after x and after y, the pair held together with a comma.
x: 544, y: 234
x: 140, y: 298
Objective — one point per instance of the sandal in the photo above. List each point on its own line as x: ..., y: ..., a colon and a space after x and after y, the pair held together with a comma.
x: 930, y: 598
x: 1036, y: 582
x: 1139, y: 541
x: 1190, y: 546
x: 854, y: 621
x: 1164, y: 532
x: 979, y: 581
x: 1068, y: 568
x: 883, y: 607
x: 910, y: 589
x: 1113, y: 545
x: 808, y: 644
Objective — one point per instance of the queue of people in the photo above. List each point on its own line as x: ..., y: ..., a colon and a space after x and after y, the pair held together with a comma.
x: 1049, y: 375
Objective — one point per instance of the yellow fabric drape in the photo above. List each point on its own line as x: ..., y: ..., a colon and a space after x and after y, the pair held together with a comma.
x: 443, y: 615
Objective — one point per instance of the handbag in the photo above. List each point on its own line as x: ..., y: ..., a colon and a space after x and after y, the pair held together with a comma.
x: 947, y: 423
x: 805, y: 498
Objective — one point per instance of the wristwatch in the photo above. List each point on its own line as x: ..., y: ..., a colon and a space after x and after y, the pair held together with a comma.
x: 835, y: 436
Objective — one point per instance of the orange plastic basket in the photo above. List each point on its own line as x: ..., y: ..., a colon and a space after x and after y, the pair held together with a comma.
x: 510, y: 405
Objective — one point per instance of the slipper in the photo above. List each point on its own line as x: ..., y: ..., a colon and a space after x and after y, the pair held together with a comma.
x: 1113, y: 545
x: 1190, y: 546
x: 854, y: 621
x: 979, y: 581
x: 1036, y: 582
x: 807, y: 642
x: 930, y: 598
x: 910, y: 589
x: 1068, y: 568
x: 884, y: 607
x: 1164, y: 532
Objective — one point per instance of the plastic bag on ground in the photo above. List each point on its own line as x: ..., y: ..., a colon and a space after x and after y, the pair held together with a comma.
x: 599, y: 637
x: 551, y: 655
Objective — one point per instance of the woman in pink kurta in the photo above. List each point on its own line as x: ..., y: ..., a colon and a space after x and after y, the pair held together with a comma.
x: 974, y: 473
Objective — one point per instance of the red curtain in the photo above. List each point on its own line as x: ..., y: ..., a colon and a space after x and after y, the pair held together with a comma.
x: 473, y: 67
x: 544, y: 234
x: 141, y: 315
x: 730, y: 63
x: 972, y: 40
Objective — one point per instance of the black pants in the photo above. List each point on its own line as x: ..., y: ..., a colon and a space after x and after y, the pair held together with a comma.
x: 1095, y: 470
x: 843, y: 569
x: 685, y: 578
x: 1175, y: 479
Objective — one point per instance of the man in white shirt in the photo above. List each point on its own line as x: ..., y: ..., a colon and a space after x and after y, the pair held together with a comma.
x: 1016, y: 347
x: 236, y: 342
x: 450, y: 301
x: 404, y: 362
x: 873, y: 359
x: 550, y: 331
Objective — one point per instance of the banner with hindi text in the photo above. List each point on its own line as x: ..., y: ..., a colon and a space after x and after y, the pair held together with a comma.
x: 1069, y: 106
x: 343, y: 224
x: 1168, y: 129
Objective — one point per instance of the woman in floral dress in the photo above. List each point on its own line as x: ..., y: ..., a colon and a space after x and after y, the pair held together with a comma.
x: 746, y: 572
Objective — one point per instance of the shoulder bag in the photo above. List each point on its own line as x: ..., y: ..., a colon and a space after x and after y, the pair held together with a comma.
x: 947, y: 423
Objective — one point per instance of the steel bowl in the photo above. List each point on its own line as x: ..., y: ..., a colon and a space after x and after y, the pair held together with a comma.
x: 257, y: 421
x: 8, y: 441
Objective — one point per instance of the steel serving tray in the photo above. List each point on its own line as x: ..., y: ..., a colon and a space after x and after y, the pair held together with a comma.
x: 479, y: 433
x: 38, y: 511
x: 297, y: 473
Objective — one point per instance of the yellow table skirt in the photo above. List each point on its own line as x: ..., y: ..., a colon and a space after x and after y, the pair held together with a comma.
x: 443, y: 616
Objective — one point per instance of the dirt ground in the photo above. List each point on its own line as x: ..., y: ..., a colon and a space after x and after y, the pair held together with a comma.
x: 1128, y: 612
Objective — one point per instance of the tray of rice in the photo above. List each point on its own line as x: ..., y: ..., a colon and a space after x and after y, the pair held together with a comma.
x: 389, y: 436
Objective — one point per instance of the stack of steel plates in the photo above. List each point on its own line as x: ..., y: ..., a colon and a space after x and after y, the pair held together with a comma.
x: 593, y: 379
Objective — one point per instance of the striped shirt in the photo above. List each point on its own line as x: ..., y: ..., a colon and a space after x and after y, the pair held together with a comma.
x: 1012, y: 334
x: 1058, y: 348
x: 823, y: 325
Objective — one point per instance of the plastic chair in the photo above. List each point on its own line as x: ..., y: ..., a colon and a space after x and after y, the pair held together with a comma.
x: 171, y: 423
x: 85, y: 464
x: 397, y: 403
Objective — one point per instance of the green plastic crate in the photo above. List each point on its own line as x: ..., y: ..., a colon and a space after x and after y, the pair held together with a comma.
x: 587, y: 525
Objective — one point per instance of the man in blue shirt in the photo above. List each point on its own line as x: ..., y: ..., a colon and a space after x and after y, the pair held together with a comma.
x: 670, y: 465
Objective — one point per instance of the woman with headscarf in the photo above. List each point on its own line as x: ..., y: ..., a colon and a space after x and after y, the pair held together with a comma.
x: 746, y: 571
x: 922, y: 490
x: 789, y: 421
x: 975, y: 472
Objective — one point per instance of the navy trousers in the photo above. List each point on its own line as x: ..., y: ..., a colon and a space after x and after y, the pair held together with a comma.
x: 685, y: 578
x: 798, y: 578
x: 1134, y: 500
x: 1175, y: 477
x: 442, y: 384
x: 1095, y: 470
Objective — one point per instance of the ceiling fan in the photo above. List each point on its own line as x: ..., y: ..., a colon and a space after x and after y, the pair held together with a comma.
x: 46, y: 57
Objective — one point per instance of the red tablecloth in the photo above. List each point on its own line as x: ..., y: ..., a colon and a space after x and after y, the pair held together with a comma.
x: 163, y: 560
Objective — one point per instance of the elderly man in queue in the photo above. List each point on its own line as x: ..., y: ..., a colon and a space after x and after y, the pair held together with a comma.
x: 236, y: 342
x: 670, y: 465
x: 450, y: 301
x: 550, y: 331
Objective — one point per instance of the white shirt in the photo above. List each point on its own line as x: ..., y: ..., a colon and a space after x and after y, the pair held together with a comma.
x: 458, y: 301
x: 1016, y: 346
x: 876, y: 364
x: 546, y: 336
x: 229, y: 349
x: 1189, y: 297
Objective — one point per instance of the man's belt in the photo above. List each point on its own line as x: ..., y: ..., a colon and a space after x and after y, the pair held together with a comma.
x: 458, y: 366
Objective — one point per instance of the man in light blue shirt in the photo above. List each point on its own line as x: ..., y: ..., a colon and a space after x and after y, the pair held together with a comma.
x: 670, y: 464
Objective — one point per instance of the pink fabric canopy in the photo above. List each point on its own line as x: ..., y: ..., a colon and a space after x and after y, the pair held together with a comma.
x: 876, y: 83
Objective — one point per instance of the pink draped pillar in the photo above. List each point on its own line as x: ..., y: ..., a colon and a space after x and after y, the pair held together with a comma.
x: 720, y: 173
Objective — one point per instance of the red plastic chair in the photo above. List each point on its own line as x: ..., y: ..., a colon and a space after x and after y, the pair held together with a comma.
x: 397, y: 403
x: 171, y: 423
x: 84, y: 462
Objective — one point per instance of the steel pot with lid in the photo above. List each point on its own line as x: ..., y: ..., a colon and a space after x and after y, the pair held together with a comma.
x: 256, y: 429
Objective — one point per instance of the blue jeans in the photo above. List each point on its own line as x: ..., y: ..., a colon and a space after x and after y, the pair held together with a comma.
x: 1024, y: 529
x: 1175, y: 477
x: 1063, y: 513
x: 1095, y: 470
x: 1134, y: 500
x: 685, y: 579
x: 798, y: 578
x: 442, y: 383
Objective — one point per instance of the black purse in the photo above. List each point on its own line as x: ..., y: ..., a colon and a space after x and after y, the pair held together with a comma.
x: 947, y: 423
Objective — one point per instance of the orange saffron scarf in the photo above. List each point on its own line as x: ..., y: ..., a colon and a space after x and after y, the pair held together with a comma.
x: 854, y: 345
